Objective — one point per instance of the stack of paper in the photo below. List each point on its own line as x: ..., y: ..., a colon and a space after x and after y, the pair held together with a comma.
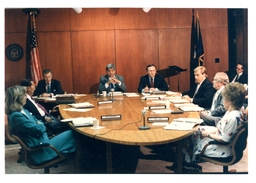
x: 131, y: 94
x: 162, y: 111
x: 191, y: 108
x: 82, y: 105
x: 178, y: 101
x: 179, y: 126
x: 183, y: 124
x: 80, y: 121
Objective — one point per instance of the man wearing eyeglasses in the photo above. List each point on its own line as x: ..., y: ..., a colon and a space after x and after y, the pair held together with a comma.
x: 240, y: 76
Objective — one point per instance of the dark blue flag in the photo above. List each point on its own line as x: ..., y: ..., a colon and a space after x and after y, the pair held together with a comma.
x: 197, y: 48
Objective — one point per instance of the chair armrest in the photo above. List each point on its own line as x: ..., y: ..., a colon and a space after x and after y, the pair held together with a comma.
x: 217, y: 142
x: 40, y: 146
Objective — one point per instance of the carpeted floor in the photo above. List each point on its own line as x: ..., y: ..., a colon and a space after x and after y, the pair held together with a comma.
x: 152, y: 161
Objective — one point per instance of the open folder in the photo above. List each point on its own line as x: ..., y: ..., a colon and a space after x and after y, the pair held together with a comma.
x: 183, y: 124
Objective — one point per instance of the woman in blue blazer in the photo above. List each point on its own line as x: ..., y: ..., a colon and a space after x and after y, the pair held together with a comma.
x: 32, y: 130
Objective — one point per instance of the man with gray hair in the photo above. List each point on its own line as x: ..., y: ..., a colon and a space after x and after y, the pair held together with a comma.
x: 217, y: 110
x: 111, y: 80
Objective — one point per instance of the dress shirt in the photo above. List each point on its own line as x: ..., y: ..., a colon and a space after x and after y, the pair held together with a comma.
x: 42, y: 113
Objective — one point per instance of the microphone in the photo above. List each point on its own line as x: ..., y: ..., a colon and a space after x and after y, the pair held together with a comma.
x: 144, y: 127
x: 112, y: 94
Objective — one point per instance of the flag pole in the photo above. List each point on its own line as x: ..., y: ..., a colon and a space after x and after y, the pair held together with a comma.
x: 32, y: 53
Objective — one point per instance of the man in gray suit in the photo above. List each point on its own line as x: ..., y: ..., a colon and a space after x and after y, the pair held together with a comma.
x: 111, y: 80
x: 217, y: 110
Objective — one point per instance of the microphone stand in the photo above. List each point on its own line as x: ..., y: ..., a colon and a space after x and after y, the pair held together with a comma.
x: 112, y: 94
x: 144, y: 127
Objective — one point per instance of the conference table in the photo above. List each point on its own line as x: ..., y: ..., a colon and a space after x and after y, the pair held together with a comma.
x: 126, y: 130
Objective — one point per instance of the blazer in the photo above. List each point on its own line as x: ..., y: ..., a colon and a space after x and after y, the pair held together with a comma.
x: 33, y: 132
x: 105, y: 79
x: 242, y: 79
x: 55, y: 87
x: 219, y: 109
x: 159, y: 83
x: 32, y: 109
x: 204, y: 95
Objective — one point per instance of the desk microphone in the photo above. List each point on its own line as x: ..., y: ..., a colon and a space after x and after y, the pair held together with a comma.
x: 112, y: 94
x: 144, y: 127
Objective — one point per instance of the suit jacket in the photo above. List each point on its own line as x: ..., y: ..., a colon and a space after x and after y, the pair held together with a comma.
x: 105, y: 79
x: 204, y: 95
x: 55, y: 87
x: 219, y: 109
x: 32, y: 109
x: 33, y: 132
x: 159, y: 83
x: 242, y: 79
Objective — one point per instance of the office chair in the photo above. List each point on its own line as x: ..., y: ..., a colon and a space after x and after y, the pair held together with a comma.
x: 45, y: 165
x: 237, y: 143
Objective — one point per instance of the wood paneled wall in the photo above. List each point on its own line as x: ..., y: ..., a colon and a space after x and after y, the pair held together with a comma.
x: 77, y: 47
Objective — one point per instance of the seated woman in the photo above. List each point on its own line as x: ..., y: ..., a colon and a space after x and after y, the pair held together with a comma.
x: 233, y: 95
x: 31, y: 130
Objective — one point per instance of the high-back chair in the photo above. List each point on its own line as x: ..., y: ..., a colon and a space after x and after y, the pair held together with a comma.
x: 237, y: 143
x: 45, y: 165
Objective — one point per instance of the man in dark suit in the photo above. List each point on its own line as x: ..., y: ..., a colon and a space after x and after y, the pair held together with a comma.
x: 48, y: 86
x: 152, y: 81
x: 111, y: 80
x: 52, y: 123
x: 202, y: 93
x: 217, y: 110
x: 240, y: 75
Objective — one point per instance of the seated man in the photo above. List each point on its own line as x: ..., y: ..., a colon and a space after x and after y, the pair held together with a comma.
x: 52, y: 123
x: 217, y: 110
x: 240, y: 75
x: 152, y: 81
x: 111, y: 80
x: 48, y: 86
x: 202, y: 93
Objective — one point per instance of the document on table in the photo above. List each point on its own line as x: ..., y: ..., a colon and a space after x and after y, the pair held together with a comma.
x: 174, y: 125
x: 82, y: 105
x: 80, y: 121
x: 178, y: 101
x: 191, y: 108
x: 78, y: 110
x: 162, y: 111
x: 131, y: 94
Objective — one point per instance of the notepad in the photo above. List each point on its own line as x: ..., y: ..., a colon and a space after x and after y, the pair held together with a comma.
x: 82, y: 105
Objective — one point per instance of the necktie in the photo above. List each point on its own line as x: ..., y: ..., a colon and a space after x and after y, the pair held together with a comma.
x: 214, y: 100
x: 151, y: 83
x: 48, y: 88
x: 197, y: 87
x: 112, y: 86
x: 41, y: 107
x: 237, y: 77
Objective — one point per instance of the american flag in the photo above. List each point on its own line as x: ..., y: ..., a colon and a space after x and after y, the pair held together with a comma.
x: 35, y: 65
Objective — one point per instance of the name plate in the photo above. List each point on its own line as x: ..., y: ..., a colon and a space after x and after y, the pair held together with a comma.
x: 105, y: 102
x: 159, y: 119
x: 177, y: 112
x: 111, y: 117
x: 152, y: 98
x: 157, y: 107
x: 159, y: 92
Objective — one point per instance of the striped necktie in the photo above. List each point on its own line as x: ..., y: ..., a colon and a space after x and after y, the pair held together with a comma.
x: 48, y: 88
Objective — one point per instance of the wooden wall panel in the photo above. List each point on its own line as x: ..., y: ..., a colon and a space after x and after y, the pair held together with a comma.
x: 135, y: 18
x: 15, y: 71
x: 53, y: 19
x: 135, y: 49
x: 92, y: 51
x: 174, y: 18
x: 55, y: 54
x: 174, y: 46
x: 216, y: 37
x: 15, y: 21
x: 93, y: 19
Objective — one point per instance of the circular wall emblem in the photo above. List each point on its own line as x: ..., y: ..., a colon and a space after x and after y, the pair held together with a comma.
x: 14, y: 52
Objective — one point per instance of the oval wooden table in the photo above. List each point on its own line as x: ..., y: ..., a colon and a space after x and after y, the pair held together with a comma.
x: 126, y: 130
